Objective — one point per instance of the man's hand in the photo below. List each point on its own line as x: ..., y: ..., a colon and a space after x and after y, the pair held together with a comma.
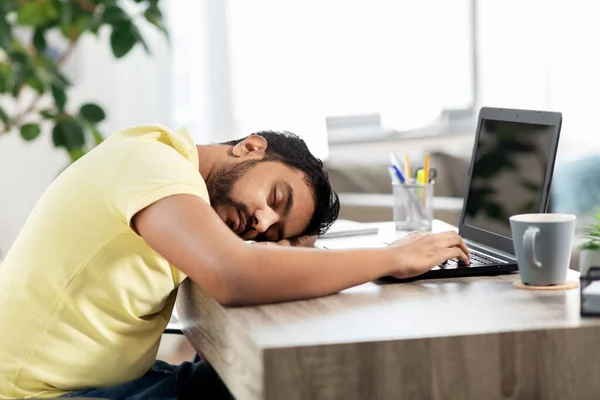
x: 418, y: 252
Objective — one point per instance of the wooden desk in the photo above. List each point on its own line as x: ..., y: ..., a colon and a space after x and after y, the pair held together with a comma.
x: 467, y: 338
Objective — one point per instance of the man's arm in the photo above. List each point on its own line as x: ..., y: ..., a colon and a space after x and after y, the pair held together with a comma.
x: 189, y: 234
x: 305, y: 241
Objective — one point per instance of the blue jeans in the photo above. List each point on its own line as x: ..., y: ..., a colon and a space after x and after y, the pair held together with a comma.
x: 190, y: 380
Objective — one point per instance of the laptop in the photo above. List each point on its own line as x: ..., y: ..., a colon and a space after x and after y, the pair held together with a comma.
x: 510, y: 173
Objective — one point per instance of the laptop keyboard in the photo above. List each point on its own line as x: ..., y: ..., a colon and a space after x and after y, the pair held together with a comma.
x: 477, y: 258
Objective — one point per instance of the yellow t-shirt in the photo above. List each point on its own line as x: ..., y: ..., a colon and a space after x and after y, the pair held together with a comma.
x: 83, y: 299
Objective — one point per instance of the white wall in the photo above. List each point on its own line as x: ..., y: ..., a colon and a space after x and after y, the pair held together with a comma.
x: 539, y: 54
x: 132, y: 91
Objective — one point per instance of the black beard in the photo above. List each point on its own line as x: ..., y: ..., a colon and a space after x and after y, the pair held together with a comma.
x: 221, y: 183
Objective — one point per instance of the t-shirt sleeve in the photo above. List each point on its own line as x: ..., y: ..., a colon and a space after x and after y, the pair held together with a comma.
x: 148, y: 172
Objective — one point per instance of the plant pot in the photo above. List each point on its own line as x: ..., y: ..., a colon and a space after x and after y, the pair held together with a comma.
x: 587, y: 259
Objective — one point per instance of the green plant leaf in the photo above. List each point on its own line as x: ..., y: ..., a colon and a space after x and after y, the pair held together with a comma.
x: 590, y: 246
x: 5, y: 78
x: 5, y: 33
x: 35, y: 82
x: 68, y: 133
x: 44, y: 62
x: 155, y: 17
x: 30, y: 131
x: 592, y: 228
x: 60, y: 98
x: 48, y: 114
x: 92, y: 113
x: 95, y: 24
x: 20, y: 68
x: 39, y: 40
x: 19, y: 75
x: 4, y: 118
x: 73, y: 30
x: 34, y: 13
x: 60, y: 80
x: 139, y: 38
x: 19, y: 56
x: 122, y: 38
x: 66, y: 16
x: 113, y: 14
x: 98, y: 138
x: 7, y: 6
x: 76, y: 154
x: 40, y: 69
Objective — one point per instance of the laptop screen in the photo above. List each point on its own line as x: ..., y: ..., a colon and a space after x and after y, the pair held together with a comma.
x: 508, y: 174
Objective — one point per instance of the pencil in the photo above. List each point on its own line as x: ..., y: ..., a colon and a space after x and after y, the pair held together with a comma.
x: 407, y: 168
x: 426, y: 169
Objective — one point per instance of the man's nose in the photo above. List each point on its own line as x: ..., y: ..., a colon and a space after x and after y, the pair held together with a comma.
x: 263, y: 219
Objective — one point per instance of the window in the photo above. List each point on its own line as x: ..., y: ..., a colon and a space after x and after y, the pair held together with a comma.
x: 302, y: 61
x: 244, y: 65
x: 290, y: 64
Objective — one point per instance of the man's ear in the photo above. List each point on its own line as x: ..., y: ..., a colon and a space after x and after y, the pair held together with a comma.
x: 253, y: 145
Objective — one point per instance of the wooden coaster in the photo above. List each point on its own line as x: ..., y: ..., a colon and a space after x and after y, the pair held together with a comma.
x: 567, y: 285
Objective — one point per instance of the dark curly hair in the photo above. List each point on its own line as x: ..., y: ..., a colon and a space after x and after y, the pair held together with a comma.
x: 289, y: 149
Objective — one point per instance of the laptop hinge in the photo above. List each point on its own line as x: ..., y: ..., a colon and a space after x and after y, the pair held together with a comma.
x: 487, y: 249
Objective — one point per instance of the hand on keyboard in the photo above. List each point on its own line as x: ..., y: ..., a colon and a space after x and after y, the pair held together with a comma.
x: 454, y: 262
x: 475, y: 258
x: 419, y: 252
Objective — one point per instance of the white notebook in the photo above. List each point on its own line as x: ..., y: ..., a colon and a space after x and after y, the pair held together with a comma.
x: 344, y: 227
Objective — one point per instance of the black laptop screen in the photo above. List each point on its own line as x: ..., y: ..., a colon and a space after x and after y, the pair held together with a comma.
x: 508, y: 174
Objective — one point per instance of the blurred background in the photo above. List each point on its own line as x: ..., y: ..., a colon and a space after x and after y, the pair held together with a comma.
x: 355, y: 79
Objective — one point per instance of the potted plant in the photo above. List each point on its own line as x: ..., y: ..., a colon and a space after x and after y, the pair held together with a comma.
x: 590, y: 250
x: 33, y: 84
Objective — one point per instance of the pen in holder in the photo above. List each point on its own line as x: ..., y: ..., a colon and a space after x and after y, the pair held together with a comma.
x: 413, y: 206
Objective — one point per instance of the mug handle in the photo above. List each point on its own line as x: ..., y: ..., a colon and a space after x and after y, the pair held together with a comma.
x: 529, y: 237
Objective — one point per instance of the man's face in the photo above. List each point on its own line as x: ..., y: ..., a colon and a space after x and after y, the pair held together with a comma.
x: 261, y: 200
